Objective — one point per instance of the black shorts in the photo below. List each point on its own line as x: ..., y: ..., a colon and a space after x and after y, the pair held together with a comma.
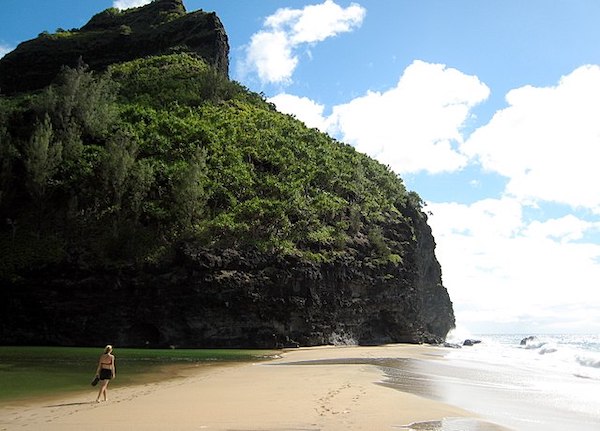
x: 105, y: 374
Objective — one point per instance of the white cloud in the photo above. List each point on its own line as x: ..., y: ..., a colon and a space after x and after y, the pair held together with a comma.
x: 416, y: 125
x: 5, y: 49
x: 565, y: 229
x: 502, y: 270
x: 412, y: 127
x: 315, y: 23
x: 272, y: 51
x: 306, y: 110
x: 127, y: 4
x: 547, y: 141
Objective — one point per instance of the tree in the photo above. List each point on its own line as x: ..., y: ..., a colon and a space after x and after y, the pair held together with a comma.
x: 42, y: 158
x: 80, y: 98
x: 121, y: 152
x: 8, y: 154
x: 189, y: 189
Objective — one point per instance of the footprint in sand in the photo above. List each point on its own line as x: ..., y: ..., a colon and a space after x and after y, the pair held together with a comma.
x: 325, y: 401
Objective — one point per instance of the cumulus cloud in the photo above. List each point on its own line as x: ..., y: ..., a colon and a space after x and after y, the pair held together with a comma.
x: 127, y: 4
x: 270, y: 53
x: 565, y: 229
x: 501, y: 268
x: 273, y: 51
x: 508, y: 270
x: 303, y: 108
x: 547, y: 141
x: 415, y: 126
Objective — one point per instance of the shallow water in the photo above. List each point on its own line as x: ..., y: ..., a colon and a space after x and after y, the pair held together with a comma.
x: 29, y: 372
x: 408, y: 376
x: 506, y: 397
x: 452, y: 424
x: 524, y: 400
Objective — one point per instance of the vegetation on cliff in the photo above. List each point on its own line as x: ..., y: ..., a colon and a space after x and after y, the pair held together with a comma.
x: 135, y: 174
x: 121, y: 166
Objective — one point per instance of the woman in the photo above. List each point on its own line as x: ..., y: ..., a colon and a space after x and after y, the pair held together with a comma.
x: 105, y: 371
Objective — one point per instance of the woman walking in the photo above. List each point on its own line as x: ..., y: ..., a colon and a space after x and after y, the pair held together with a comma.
x: 105, y: 371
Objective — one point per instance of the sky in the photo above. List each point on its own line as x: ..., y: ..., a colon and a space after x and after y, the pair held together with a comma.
x: 489, y: 110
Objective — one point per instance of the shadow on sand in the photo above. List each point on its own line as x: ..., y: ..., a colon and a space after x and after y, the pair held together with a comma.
x: 71, y: 404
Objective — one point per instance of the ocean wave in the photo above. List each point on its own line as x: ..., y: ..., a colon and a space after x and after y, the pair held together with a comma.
x: 577, y: 356
x: 548, y: 348
x: 588, y: 361
x: 532, y: 343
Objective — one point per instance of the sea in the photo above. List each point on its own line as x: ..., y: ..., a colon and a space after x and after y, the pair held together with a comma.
x: 524, y: 382
x: 572, y: 356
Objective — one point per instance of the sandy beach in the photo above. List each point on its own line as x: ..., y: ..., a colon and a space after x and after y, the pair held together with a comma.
x: 323, y: 388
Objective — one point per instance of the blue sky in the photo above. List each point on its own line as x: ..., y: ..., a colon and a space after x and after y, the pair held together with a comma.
x: 488, y: 109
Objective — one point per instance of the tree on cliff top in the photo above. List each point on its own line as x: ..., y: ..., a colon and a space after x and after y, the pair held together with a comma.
x: 164, y: 149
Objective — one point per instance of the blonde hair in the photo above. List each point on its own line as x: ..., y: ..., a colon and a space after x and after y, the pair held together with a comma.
x: 108, y: 348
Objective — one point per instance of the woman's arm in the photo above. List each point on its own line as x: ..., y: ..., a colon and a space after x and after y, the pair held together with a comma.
x: 114, y: 368
x: 98, y: 367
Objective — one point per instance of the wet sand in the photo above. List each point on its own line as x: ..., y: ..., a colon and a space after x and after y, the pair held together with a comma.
x: 520, y: 398
x: 323, y: 388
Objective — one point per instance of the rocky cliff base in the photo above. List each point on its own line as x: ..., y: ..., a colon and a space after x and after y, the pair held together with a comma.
x: 230, y: 299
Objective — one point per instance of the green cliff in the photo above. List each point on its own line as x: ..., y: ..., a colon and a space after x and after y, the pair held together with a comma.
x: 153, y: 201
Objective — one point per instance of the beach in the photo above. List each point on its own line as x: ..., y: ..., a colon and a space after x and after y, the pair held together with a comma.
x: 322, y: 388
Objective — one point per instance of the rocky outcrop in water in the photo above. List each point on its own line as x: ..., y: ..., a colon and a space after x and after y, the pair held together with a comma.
x: 527, y: 340
x: 115, y: 36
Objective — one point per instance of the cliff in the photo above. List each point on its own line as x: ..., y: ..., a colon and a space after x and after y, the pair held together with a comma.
x: 115, y: 36
x: 232, y: 298
x: 154, y: 202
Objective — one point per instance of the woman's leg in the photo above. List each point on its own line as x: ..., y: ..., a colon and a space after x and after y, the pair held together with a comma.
x: 102, y: 391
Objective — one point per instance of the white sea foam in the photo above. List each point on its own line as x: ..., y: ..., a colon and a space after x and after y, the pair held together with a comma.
x: 559, y: 374
x: 547, y: 348
x: 533, y: 344
x: 564, y: 354
x: 458, y: 335
x: 589, y: 360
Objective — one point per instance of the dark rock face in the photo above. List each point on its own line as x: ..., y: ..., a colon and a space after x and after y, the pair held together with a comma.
x: 112, y: 37
x: 469, y: 342
x: 230, y: 298
x: 428, y: 281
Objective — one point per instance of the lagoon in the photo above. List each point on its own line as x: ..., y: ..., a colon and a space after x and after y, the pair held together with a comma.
x: 30, y: 372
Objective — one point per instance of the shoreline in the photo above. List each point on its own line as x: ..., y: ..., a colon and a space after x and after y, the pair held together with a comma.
x: 318, y: 388
x: 156, y: 376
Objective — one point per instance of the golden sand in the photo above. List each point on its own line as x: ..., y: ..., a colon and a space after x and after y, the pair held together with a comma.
x: 275, y: 395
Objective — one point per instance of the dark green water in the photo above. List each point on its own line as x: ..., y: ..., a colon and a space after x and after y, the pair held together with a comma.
x: 28, y: 372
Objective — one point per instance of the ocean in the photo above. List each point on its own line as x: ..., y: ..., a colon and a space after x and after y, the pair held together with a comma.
x: 550, y: 383
x: 568, y: 355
